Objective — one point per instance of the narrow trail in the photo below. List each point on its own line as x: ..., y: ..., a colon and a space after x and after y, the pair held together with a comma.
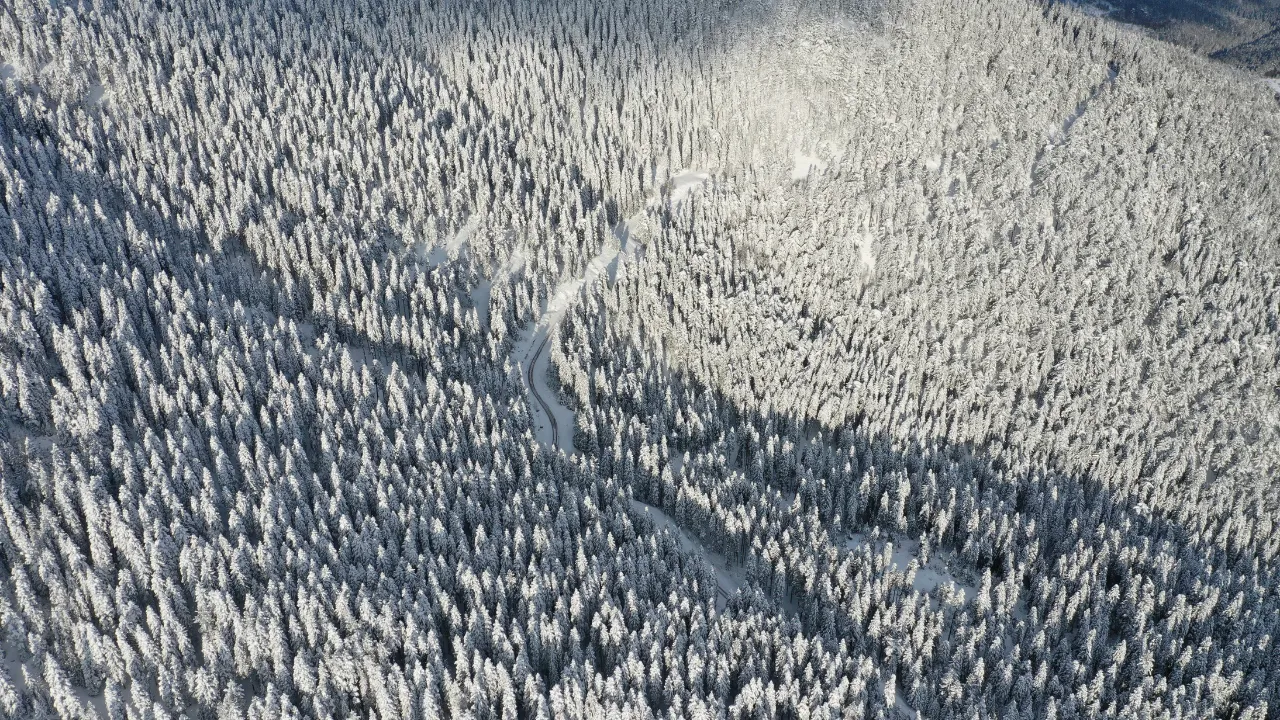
x: 1060, y: 138
x: 533, y: 389
x: 532, y: 360
x: 618, y: 251
x: 686, y: 546
x: 720, y: 592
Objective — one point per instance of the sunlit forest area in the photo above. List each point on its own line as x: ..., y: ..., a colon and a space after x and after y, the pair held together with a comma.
x: 800, y: 359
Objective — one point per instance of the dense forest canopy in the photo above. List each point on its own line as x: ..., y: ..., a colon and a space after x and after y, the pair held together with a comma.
x: 913, y: 357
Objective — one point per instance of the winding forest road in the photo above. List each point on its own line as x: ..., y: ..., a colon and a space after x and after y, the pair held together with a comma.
x: 694, y: 545
x: 533, y: 389
x: 609, y: 260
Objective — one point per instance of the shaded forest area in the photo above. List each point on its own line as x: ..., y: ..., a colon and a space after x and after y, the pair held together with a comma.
x: 1243, y: 33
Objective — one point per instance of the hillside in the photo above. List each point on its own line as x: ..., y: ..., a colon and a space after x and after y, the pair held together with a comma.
x: 1242, y: 33
x: 813, y: 358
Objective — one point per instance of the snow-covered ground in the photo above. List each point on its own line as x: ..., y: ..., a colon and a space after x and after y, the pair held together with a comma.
x: 677, y: 462
x: 96, y: 91
x: 1274, y: 83
x: 481, y: 296
x: 927, y: 578
x: 728, y: 579
x: 7, y: 70
x: 566, y: 293
x: 866, y: 255
x: 785, y: 500
x: 553, y: 423
x: 482, y: 292
x: 804, y: 165
x: 19, y: 434
x: 901, y: 710
x: 444, y: 253
x: 683, y: 183
x: 16, y: 673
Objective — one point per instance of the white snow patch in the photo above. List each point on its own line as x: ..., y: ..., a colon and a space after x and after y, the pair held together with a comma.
x: 628, y: 251
x: 96, y: 91
x: 438, y: 256
x: 444, y: 253
x: 20, y: 437
x: 17, y: 672
x: 307, y: 336
x: 785, y: 500
x: 677, y: 462
x: 927, y: 578
x: 901, y: 710
x: 805, y: 164
x: 480, y: 296
x: 463, y: 235
x: 482, y: 293
x: 8, y: 70
x: 13, y: 668
x: 567, y: 292
x: 512, y: 264
x: 683, y: 183
x: 1274, y: 83
x: 865, y: 255
x: 728, y: 580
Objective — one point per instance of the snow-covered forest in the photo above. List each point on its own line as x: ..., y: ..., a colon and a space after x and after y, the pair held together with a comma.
x: 506, y: 359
